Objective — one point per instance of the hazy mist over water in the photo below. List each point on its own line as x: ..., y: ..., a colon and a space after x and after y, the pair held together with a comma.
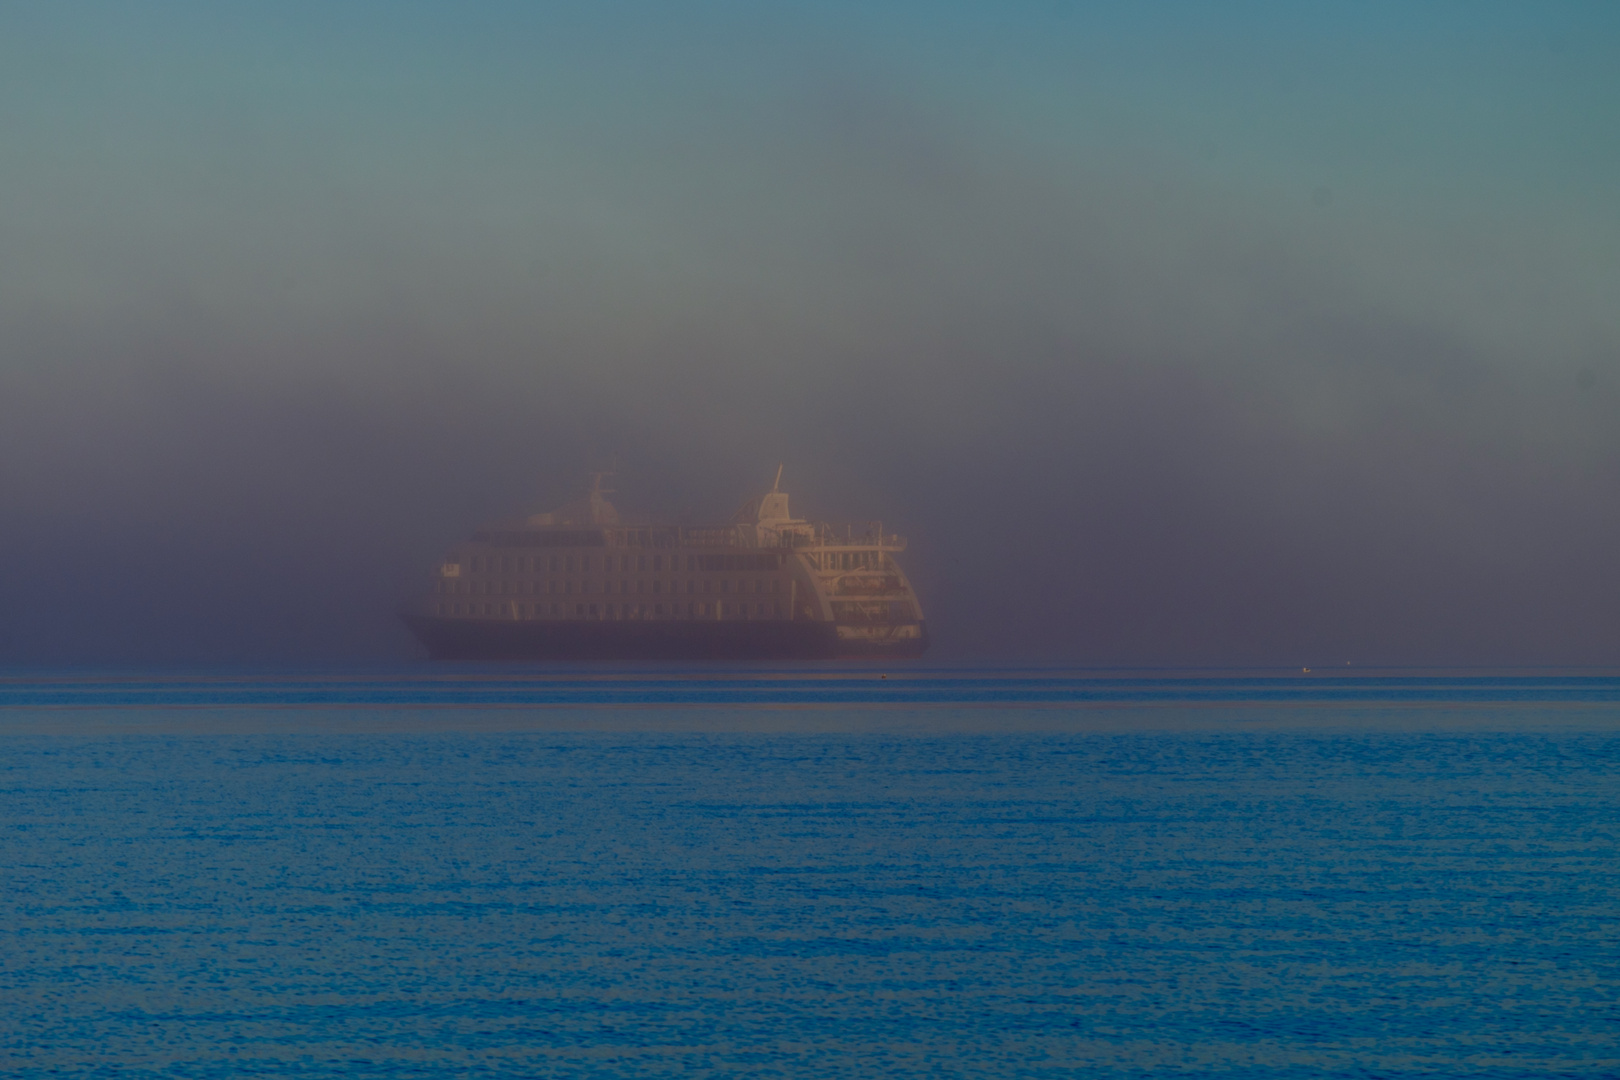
x: 1169, y: 335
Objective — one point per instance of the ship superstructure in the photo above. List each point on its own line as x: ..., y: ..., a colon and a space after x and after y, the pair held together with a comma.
x: 582, y: 582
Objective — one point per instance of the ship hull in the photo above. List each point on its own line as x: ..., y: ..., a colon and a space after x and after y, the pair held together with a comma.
x: 536, y: 639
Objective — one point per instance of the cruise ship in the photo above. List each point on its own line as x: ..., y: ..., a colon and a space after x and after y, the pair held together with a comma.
x: 584, y: 583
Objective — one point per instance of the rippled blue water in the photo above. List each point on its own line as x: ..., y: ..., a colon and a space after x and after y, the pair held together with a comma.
x: 785, y: 874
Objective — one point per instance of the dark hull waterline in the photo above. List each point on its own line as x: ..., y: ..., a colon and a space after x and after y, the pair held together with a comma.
x: 543, y: 639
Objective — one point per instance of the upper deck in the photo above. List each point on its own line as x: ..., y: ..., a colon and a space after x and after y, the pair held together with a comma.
x: 818, y: 538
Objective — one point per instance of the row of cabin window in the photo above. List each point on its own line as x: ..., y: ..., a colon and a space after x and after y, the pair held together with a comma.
x: 584, y: 564
x: 724, y: 609
x: 695, y: 586
x: 568, y: 564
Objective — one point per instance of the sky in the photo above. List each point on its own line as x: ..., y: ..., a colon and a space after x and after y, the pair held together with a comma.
x: 1171, y: 334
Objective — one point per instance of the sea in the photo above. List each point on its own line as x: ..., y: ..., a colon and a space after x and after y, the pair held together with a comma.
x: 482, y: 871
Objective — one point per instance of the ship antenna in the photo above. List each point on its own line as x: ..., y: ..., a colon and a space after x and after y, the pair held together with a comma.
x: 777, y: 483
